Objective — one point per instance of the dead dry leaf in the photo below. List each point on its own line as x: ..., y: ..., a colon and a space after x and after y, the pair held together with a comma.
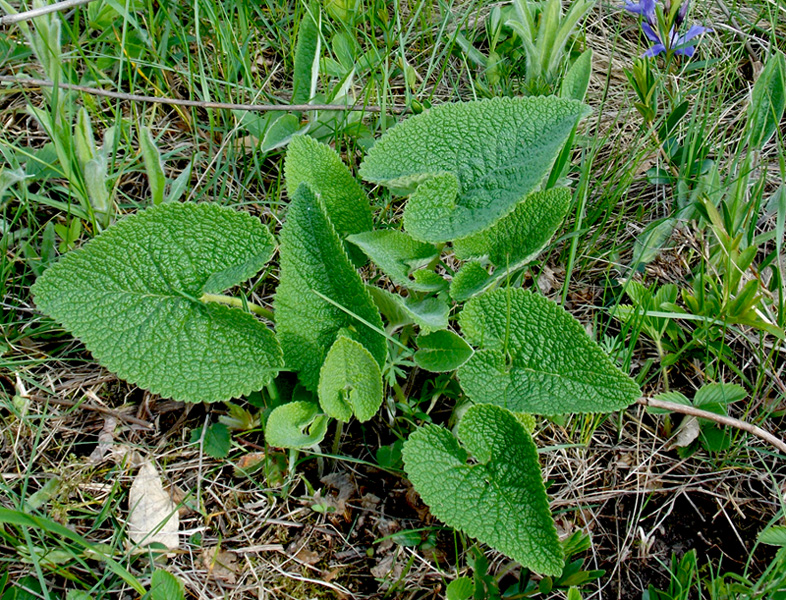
x: 689, y: 430
x: 105, y: 440
x: 152, y: 516
x: 220, y: 564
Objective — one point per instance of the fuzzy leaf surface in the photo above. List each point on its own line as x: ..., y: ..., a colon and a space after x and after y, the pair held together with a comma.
x: 471, y: 279
x: 441, y: 351
x: 318, y: 165
x: 469, y: 164
x: 536, y: 358
x: 499, y: 498
x: 131, y: 295
x: 520, y: 236
x: 297, y: 424
x: 398, y: 254
x: 350, y: 382
x: 314, y: 266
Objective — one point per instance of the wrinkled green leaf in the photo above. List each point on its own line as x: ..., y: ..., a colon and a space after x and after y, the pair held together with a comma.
x: 350, y: 382
x: 307, y: 51
x: 441, y: 351
x: 469, y: 164
x: 536, y: 358
x: 498, y: 497
x: 316, y: 164
x: 397, y: 254
x: 519, y: 237
x: 132, y: 296
x: 297, y: 424
x: 314, y: 266
x: 470, y: 280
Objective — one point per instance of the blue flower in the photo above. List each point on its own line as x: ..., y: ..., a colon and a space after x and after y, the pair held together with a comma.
x: 645, y: 8
x: 679, y: 43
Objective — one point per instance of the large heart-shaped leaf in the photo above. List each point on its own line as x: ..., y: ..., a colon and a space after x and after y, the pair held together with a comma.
x: 536, y: 358
x: 498, y: 496
x: 132, y: 295
x: 469, y: 164
x: 320, y: 293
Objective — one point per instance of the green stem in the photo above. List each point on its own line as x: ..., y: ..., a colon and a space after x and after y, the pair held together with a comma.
x: 263, y: 312
x: 337, y: 437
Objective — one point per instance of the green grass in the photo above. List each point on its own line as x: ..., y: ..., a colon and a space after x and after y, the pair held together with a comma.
x: 406, y: 56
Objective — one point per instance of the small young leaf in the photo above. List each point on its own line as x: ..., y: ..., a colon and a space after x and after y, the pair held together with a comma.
x: 217, y: 441
x: 430, y: 314
x: 153, y: 166
x: 132, y: 296
x: 773, y: 536
x: 519, y: 237
x: 307, y: 51
x: 313, y: 260
x: 470, y: 280
x: 460, y: 589
x: 441, y: 351
x: 297, y: 424
x: 721, y: 394
x: 768, y: 100
x: 318, y: 165
x: 470, y: 163
x: 282, y: 129
x: 397, y: 254
x: 350, y: 382
x: 165, y: 586
x: 536, y: 358
x: 499, y: 498
x: 576, y: 80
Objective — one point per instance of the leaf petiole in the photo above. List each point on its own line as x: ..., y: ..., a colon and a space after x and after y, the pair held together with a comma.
x: 261, y: 311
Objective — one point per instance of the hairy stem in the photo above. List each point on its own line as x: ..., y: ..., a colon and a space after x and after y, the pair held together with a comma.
x: 261, y: 311
x: 720, y: 419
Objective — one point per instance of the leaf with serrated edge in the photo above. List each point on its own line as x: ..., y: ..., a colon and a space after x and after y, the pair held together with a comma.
x: 519, y: 237
x: 318, y: 165
x: 297, y: 424
x: 441, y: 351
x: 469, y: 164
x: 397, y: 254
x: 501, y: 499
x: 552, y: 368
x: 350, y: 382
x: 314, y: 265
x: 131, y: 295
